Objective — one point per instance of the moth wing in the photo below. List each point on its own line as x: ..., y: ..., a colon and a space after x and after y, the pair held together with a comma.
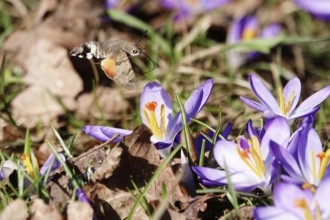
x: 124, y: 72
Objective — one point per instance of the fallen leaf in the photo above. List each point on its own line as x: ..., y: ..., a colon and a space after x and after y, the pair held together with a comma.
x: 245, y: 213
x: 40, y: 210
x: 18, y: 207
x: 79, y: 210
x: 138, y: 160
x: 41, y: 50
x: 109, y: 101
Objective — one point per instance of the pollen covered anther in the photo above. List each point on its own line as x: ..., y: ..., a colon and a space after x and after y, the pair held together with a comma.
x: 151, y: 106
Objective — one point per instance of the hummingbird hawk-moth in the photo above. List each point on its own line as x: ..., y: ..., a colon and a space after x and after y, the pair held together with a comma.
x: 114, y: 55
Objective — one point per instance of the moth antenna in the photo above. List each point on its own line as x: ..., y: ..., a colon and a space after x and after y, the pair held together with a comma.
x: 143, y: 35
x: 153, y: 62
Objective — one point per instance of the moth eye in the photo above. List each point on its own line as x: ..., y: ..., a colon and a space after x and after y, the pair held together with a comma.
x: 135, y: 52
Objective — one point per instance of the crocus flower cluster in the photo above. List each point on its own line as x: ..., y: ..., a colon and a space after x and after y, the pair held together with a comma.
x: 289, y: 157
x: 247, y: 28
x: 276, y: 154
x: 249, y: 161
x: 186, y: 8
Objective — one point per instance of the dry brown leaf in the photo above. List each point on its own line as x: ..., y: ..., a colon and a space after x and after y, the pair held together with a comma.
x: 42, y: 51
x: 109, y: 164
x: 18, y: 207
x: 245, y: 213
x: 79, y: 210
x: 9, y: 133
x: 138, y: 160
x: 49, y: 73
x: 59, y: 191
x: 113, y: 202
x: 40, y: 211
x: 109, y: 100
x: 207, y: 205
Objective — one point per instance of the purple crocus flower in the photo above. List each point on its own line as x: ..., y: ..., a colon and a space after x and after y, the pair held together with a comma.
x: 156, y: 113
x: 288, y: 100
x: 318, y: 8
x: 7, y: 168
x: 187, y: 8
x: 56, y: 164
x: 247, y: 28
x: 294, y: 203
x: 307, y: 164
x: 249, y: 161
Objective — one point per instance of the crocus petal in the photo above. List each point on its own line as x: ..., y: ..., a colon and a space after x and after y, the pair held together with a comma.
x: 319, y: 8
x: 189, y: 8
x: 322, y: 197
x: 56, y: 164
x: 278, y: 131
x: 253, y: 104
x: 286, y: 194
x: 273, y: 213
x: 227, y: 130
x: 209, y: 5
x: 212, y: 176
x: 311, y: 144
x: 111, y: 3
x: 288, y: 162
x: 200, y: 138
x: 292, y: 180
x: 236, y: 59
x: 160, y: 144
x: 243, y: 181
x: 270, y: 31
x: 153, y: 92
x: 82, y: 196
x: 263, y: 94
x: 225, y: 154
x: 239, y: 25
x: 7, y: 168
x: 199, y: 141
x: 103, y: 133
x: 292, y: 87
x: 310, y: 104
x: 275, y: 172
x: 193, y: 106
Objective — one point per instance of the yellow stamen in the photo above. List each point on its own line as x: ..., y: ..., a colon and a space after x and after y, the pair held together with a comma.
x: 162, y: 118
x: 324, y: 157
x: 309, y: 186
x: 313, y: 164
x: 151, y: 119
x: 289, y: 104
x: 151, y: 106
x: 285, y: 107
x: 302, y: 203
x: 252, y: 157
x: 257, y: 156
x: 245, y: 158
x: 27, y: 164
x: 249, y: 34
x: 282, y: 103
